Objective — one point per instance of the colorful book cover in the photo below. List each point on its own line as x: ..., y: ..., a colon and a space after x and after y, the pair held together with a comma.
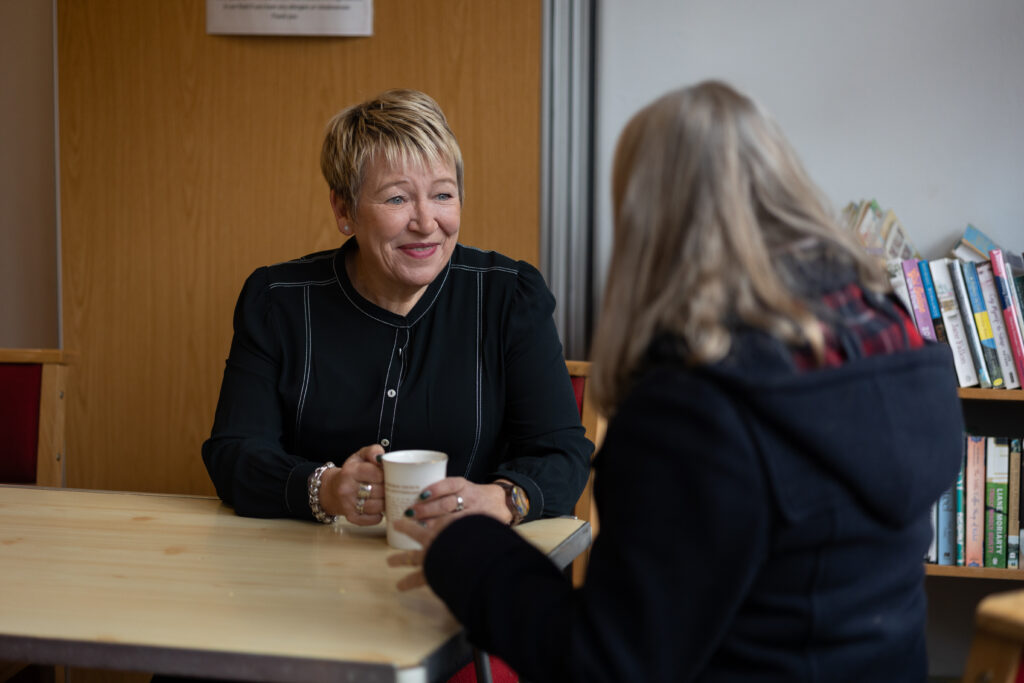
x: 981, y: 322
x: 946, y: 526
x: 1013, y: 508
x: 997, y: 480
x: 966, y: 375
x: 933, y: 302
x: 960, y: 516
x: 956, y: 276
x: 1011, y: 377
x: 974, y: 503
x: 918, y: 299
x: 1014, y: 330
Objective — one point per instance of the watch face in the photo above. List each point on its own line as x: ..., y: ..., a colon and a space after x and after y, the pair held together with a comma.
x: 519, y: 501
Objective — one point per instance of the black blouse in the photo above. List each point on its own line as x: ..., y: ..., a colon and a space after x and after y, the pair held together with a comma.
x: 316, y: 372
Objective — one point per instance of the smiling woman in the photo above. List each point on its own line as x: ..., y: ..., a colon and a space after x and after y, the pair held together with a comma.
x: 400, y: 338
x: 407, y: 224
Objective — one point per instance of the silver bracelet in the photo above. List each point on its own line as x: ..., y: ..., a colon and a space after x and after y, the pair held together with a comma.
x: 314, y: 494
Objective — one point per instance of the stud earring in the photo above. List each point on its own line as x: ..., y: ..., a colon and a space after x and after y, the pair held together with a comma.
x: 345, y: 229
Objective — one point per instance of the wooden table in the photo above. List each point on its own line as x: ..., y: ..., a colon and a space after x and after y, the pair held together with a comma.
x: 182, y: 585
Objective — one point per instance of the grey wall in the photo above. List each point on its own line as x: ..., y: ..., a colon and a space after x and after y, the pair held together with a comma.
x: 917, y: 103
x: 29, y: 272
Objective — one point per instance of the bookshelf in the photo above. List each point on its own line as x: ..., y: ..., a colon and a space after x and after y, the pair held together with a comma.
x: 991, y: 412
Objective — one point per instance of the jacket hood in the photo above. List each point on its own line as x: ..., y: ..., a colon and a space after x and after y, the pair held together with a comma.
x: 890, y: 427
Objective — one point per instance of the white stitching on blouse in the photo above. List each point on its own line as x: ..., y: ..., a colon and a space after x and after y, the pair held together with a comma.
x: 306, y: 365
x: 479, y: 369
x: 307, y: 283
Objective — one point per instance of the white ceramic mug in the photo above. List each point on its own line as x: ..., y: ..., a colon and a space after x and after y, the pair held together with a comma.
x: 406, y: 474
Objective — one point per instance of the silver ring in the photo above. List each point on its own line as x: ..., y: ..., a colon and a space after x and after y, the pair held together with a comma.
x: 459, y: 504
x: 359, y: 505
x: 364, y: 491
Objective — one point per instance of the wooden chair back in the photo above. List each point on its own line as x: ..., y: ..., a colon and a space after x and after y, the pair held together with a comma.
x: 33, y: 390
x: 594, y: 424
x: 997, y: 649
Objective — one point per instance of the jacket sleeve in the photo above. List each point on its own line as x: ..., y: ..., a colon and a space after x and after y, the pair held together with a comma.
x: 548, y: 454
x: 247, y: 463
x: 684, y: 526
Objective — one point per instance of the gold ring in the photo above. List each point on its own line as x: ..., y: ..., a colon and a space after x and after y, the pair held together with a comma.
x: 364, y: 491
x: 460, y: 504
x: 359, y: 506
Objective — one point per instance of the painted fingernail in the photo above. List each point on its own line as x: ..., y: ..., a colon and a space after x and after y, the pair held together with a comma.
x: 380, y: 458
x: 425, y: 495
x: 409, y: 512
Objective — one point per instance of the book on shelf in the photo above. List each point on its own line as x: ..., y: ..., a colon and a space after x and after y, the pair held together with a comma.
x: 959, y: 503
x: 997, y: 479
x: 1015, y: 279
x: 1014, y: 329
x: 956, y: 277
x: 933, y: 302
x: 990, y: 355
x: 975, y: 245
x: 1013, y: 508
x: 932, y: 553
x: 918, y: 299
x: 896, y: 244
x: 945, y: 527
x: 898, y: 280
x: 1011, y: 373
x: 956, y: 334
x: 974, y: 502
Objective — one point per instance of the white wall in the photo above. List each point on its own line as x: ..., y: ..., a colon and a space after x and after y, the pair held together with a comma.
x: 917, y: 103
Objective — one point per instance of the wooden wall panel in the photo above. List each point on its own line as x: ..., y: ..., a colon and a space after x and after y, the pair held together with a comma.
x: 188, y: 160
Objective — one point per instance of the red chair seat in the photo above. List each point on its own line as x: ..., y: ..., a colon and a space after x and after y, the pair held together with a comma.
x: 20, y: 386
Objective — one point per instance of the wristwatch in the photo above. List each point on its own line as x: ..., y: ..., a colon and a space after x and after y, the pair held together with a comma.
x: 517, y: 501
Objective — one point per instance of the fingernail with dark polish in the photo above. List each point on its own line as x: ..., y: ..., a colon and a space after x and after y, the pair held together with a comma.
x: 409, y: 512
x: 380, y: 458
x: 425, y: 495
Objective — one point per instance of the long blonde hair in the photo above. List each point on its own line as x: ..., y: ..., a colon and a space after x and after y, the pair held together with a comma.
x: 708, y: 196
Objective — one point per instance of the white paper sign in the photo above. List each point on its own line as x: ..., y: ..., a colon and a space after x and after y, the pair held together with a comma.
x: 281, y: 18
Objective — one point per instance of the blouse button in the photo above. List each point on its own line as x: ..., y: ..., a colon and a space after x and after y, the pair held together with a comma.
x: 391, y: 393
x: 385, y: 443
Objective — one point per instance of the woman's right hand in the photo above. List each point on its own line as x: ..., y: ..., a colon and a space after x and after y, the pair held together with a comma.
x: 340, y: 487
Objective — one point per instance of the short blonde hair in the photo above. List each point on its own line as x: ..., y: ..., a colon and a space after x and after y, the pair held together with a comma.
x: 399, y: 126
x: 709, y: 201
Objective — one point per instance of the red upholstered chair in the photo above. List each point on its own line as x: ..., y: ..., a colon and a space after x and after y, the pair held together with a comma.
x: 594, y: 424
x: 33, y: 383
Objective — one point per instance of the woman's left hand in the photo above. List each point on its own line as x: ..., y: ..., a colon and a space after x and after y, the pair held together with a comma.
x: 457, y: 496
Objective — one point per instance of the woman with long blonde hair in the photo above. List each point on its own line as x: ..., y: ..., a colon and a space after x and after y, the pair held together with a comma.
x: 778, y: 433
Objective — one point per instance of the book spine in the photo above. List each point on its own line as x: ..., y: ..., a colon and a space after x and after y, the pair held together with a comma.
x: 933, y: 302
x: 974, y: 503
x: 990, y: 292
x: 956, y: 276
x: 997, y: 477
x: 1013, y: 508
x: 946, y: 526
x: 965, y: 373
x: 899, y: 284
x: 981, y: 322
x: 918, y: 300
x: 961, y: 479
x: 932, y: 554
x: 1013, y: 328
